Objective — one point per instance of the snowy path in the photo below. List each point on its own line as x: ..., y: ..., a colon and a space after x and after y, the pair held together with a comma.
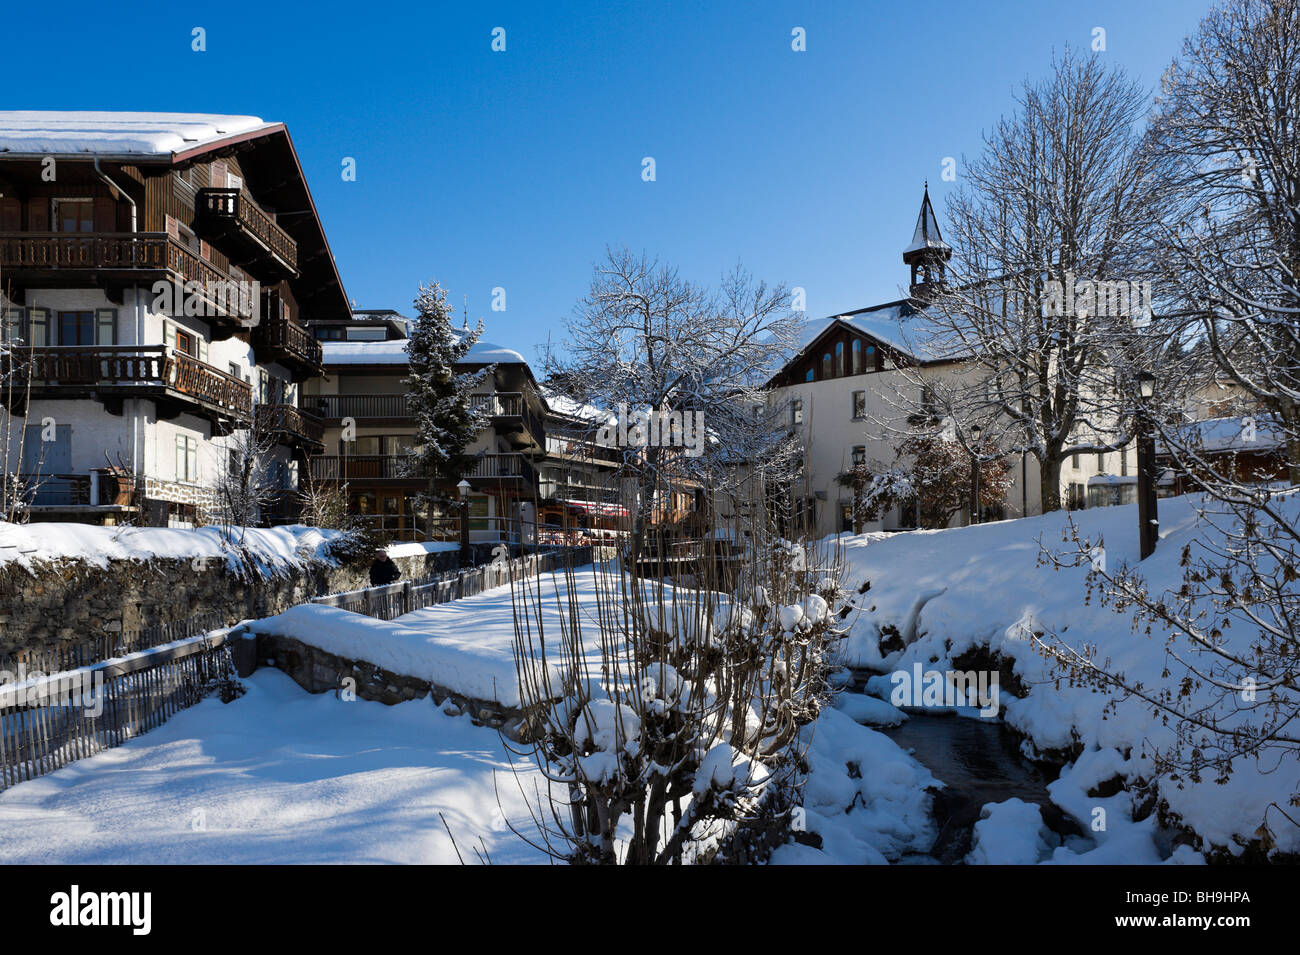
x: 277, y: 776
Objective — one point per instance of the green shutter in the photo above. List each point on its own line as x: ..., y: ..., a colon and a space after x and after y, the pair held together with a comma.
x: 14, y: 325
x: 105, y: 326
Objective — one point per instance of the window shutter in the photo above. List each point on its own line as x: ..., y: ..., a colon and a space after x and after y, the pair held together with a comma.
x: 14, y: 325
x: 38, y: 327
x: 169, y: 334
x: 191, y: 459
x: 180, y: 457
x: 203, y: 349
x: 105, y: 326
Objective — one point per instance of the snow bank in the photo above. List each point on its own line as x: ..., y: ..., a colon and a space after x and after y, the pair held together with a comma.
x: 481, y: 671
x: 864, y: 796
x: 271, y: 550
x: 1009, y: 833
x: 946, y: 592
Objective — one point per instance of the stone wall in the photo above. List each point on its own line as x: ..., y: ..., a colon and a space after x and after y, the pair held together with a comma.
x: 71, y: 600
x: 317, y: 671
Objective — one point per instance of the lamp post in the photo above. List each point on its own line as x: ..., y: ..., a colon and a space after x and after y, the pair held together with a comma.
x: 975, y: 431
x: 1148, y: 517
x: 463, y: 488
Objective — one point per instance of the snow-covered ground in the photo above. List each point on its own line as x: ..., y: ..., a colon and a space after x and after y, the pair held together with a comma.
x: 278, y: 776
x: 271, y: 549
x: 945, y: 592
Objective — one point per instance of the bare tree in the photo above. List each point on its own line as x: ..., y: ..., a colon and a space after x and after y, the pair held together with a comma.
x: 1047, y: 237
x: 645, y: 341
x: 246, y: 486
x: 1226, y: 138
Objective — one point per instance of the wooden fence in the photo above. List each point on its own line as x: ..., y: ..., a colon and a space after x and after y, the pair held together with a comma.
x: 393, y: 600
x: 49, y: 721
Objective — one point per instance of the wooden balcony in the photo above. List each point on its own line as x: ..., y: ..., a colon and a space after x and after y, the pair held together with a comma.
x: 277, y: 338
x: 246, y: 232
x: 74, y: 259
x: 175, y: 380
x: 291, y: 426
x: 513, y: 419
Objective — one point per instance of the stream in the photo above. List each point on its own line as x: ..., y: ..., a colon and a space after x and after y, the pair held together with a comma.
x: 979, y: 762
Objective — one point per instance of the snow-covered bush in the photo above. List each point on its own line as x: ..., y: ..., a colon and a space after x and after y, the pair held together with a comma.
x: 684, y: 744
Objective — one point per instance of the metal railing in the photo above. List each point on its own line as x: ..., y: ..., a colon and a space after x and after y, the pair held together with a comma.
x: 393, y: 600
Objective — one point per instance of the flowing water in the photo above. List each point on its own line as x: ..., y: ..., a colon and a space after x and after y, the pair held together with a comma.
x: 979, y: 761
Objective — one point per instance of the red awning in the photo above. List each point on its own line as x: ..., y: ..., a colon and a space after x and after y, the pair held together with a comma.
x: 597, y: 509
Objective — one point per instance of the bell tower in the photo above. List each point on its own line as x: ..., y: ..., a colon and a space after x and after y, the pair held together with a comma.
x: 927, y: 253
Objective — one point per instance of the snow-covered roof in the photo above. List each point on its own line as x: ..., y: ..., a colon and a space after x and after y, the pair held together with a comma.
x: 899, y: 325
x: 562, y: 404
x: 58, y: 132
x: 393, y: 352
x: 1241, y: 433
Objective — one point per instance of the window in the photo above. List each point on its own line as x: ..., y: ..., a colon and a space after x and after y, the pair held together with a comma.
x: 1123, y: 462
x: 1074, y: 460
x: 857, y: 356
x: 187, y: 458
x: 796, y: 411
x: 846, y: 517
x: 76, y: 328
x: 73, y: 215
x: 235, y: 370
x: 1101, y: 462
x: 809, y: 376
x: 826, y: 365
x: 839, y: 359
x: 859, y: 405
x: 859, y: 455
x: 330, y: 334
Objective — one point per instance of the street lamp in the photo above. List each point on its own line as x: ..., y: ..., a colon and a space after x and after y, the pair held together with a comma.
x: 1148, y: 516
x: 463, y: 489
x: 975, y: 431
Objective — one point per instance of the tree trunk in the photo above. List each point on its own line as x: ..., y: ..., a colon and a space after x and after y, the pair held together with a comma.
x: 1049, y: 483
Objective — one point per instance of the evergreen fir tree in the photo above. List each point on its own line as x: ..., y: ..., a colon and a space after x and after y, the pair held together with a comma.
x: 439, y: 398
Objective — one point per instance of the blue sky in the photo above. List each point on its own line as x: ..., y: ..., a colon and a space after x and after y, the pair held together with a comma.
x: 514, y: 169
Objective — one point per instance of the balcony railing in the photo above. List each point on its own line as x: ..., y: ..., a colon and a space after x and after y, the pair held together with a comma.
x: 288, y: 340
x: 361, y: 467
x: 144, y: 252
x: 236, y: 206
x: 291, y: 425
x: 491, y: 468
x: 131, y: 367
x: 509, y: 408
x: 337, y: 407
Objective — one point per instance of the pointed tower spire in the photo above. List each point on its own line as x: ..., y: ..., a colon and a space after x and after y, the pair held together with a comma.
x: 927, y: 252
